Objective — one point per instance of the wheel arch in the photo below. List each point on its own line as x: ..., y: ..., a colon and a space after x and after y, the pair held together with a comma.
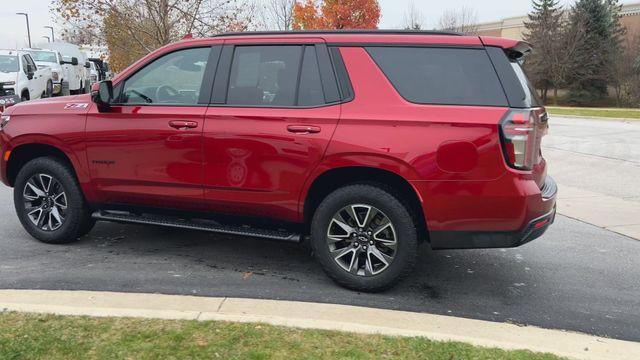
x: 22, y: 154
x: 333, y: 179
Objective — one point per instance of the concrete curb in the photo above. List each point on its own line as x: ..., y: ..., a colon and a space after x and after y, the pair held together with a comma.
x: 319, y: 316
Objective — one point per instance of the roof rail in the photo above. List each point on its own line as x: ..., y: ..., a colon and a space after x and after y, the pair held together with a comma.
x: 352, y: 31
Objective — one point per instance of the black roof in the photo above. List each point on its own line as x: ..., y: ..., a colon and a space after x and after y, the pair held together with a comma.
x: 354, y: 31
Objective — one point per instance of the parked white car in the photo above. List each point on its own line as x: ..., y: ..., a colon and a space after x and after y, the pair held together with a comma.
x: 53, y: 60
x: 20, y: 76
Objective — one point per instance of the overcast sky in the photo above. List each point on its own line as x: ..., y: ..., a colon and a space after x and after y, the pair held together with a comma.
x: 13, y: 29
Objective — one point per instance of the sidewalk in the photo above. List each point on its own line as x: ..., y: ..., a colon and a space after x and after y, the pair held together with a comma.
x: 608, y: 212
x: 319, y: 316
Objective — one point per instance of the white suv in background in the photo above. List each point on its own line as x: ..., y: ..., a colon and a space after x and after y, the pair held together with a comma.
x: 20, y: 76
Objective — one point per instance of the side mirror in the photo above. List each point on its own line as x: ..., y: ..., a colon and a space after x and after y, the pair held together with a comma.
x: 102, y: 95
x: 87, y: 65
x: 30, y: 71
x: 74, y: 61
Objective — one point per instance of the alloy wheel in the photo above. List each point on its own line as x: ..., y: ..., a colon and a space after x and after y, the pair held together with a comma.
x: 362, y: 240
x: 45, y: 202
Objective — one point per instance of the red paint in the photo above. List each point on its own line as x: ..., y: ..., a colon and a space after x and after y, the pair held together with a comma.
x: 262, y: 161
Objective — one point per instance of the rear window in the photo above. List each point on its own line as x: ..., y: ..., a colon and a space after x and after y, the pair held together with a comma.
x: 530, y: 95
x: 445, y: 76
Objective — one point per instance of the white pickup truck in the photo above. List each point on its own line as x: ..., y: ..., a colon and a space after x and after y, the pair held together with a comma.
x: 74, y: 65
x: 53, y: 60
x: 19, y: 75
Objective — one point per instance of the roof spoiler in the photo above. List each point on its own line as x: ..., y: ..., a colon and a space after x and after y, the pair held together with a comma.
x: 514, y: 49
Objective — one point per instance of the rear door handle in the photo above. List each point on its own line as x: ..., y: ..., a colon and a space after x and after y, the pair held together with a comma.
x: 183, y: 125
x: 303, y: 129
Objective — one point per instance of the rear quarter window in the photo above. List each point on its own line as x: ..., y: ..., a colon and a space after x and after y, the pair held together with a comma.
x: 445, y: 76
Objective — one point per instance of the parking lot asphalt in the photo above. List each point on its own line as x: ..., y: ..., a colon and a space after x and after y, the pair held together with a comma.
x: 577, y: 277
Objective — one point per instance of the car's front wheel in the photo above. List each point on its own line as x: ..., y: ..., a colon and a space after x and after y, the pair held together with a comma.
x: 49, y: 202
x: 364, y: 238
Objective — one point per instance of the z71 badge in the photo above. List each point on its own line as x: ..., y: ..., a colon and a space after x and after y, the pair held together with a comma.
x: 73, y: 106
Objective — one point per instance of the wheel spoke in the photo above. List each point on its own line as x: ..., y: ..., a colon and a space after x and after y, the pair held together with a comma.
x: 39, y: 193
x: 354, y: 267
x: 348, y: 229
x: 35, y: 219
x: 56, y: 215
x: 60, y: 201
x: 376, y: 234
x: 46, y: 180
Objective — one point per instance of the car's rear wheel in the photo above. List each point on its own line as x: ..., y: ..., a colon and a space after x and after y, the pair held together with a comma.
x: 364, y: 238
x: 49, y: 202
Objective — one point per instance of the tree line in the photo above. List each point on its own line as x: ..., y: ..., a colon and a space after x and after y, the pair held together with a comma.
x: 583, y: 51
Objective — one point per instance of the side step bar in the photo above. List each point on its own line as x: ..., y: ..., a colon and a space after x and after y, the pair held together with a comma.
x: 202, y: 225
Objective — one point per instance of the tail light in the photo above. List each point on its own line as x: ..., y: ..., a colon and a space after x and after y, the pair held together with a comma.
x: 522, y: 132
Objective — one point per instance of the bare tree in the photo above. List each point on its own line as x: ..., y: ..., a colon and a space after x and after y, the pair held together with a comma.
x: 413, y: 18
x: 463, y: 20
x: 277, y: 14
x: 133, y: 28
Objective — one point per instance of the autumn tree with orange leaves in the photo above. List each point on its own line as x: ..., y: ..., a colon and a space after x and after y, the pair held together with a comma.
x: 336, y: 14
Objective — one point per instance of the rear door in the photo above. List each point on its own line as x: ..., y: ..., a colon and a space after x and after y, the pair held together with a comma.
x: 274, y: 109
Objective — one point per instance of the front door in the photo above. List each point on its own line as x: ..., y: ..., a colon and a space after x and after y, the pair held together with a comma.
x: 268, y: 127
x: 147, y: 150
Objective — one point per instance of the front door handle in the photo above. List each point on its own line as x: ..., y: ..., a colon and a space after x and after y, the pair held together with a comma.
x: 303, y: 129
x: 183, y: 125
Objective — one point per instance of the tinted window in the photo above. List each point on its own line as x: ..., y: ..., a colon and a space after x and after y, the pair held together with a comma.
x: 264, y: 75
x: 174, y: 79
x: 530, y: 94
x: 310, y: 92
x: 441, y: 75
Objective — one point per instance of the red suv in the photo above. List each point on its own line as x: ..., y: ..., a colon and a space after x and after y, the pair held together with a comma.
x: 369, y: 142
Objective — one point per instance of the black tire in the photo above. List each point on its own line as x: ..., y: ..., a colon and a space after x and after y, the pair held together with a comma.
x: 25, y: 96
x: 405, y: 235
x: 77, y: 220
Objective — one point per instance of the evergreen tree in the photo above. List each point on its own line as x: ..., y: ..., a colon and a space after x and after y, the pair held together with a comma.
x: 593, y: 65
x: 543, y: 32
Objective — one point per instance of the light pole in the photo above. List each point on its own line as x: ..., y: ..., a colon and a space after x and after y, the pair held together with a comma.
x: 53, y: 38
x: 28, y: 30
x: 48, y: 38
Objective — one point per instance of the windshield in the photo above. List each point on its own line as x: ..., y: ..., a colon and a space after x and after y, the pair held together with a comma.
x: 44, y: 56
x: 9, y: 63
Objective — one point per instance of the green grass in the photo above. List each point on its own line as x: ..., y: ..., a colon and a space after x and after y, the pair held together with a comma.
x: 30, y: 336
x: 616, y: 113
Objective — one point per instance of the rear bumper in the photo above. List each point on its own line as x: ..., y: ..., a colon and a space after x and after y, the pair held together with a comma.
x: 501, y: 214
x: 485, y: 240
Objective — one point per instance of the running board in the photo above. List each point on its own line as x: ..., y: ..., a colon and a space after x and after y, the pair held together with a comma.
x: 202, y: 225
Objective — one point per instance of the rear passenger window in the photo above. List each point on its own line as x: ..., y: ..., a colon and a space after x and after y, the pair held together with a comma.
x: 264, y: 75
x: 310, y: 92
x: 276, y: 76
x: 444, y: 76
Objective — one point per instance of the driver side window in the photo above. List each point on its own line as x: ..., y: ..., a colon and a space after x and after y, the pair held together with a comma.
x: 173, y: 79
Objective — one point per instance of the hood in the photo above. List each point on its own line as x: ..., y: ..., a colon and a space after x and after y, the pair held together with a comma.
x: 50, y: 65
x: 4, y: 77
x: 56, y: 105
